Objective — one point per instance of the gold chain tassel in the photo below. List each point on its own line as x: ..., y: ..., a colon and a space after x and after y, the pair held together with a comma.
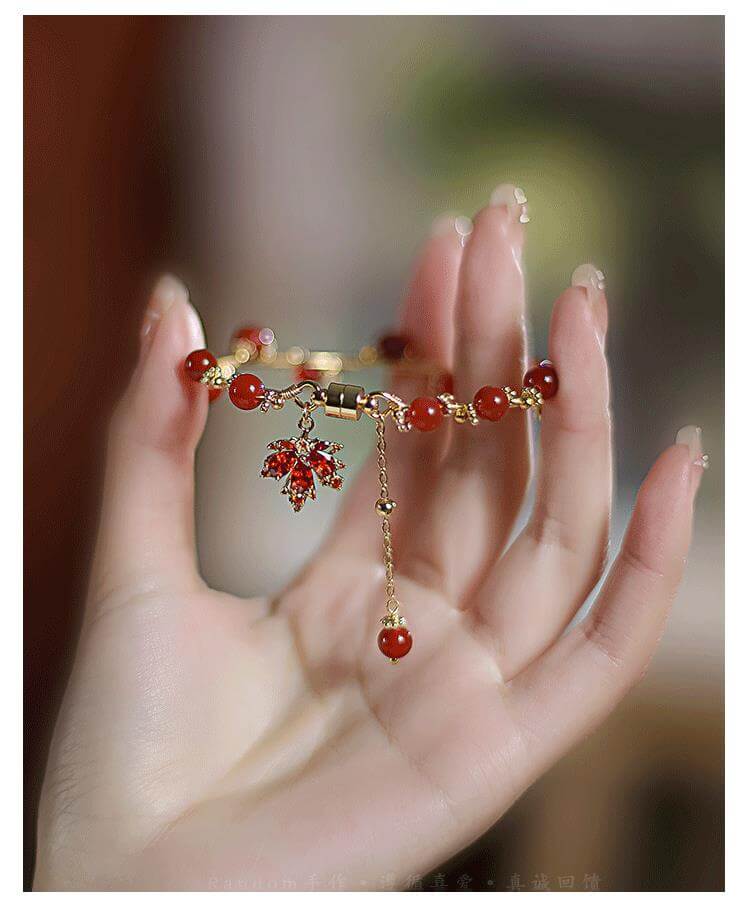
x: 394, y: 640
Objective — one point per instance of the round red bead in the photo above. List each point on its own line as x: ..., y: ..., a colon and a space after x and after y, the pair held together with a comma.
x: 198, y: 362
x: 490, y: 403
x: 392, y: 347
x: 544, y: 378
x: 425, y: 414
x: 255, y: 335
x: 394, y: 642
x: 246, y: 391
x: 306, y: 373
x: 445, y: 383
x: 213, y: 394
x: 249, y: 334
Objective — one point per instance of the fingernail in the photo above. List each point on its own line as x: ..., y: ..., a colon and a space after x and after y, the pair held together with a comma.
x: 444, y: 225
x: 691, y: 437
x: 590, y: 278
x: 167, y: 290
x: 464, y: 228
x: 452, y: 224
x: 513, y: 198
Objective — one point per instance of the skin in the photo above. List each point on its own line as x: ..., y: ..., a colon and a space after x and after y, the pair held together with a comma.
x: 207, y: 741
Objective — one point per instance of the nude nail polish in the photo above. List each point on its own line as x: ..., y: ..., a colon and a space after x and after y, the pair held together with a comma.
x: 167, y: 290
x: 464, y: 228
x: 691, y: 437
x: 513, y: 198
x: 452, y: 224
x: 589, y: 277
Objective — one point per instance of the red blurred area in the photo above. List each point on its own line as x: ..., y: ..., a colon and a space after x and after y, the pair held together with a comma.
x: 93, y: 228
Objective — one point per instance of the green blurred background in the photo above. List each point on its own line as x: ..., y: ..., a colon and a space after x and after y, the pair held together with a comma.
x: 288, y: 168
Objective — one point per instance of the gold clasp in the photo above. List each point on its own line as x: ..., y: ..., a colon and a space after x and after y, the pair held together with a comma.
x: 344, y: 400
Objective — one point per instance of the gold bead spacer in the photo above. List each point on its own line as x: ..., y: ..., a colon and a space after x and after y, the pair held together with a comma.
x: 385, y: 507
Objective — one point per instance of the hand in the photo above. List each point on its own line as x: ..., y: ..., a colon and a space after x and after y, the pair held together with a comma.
x: 207, y: 741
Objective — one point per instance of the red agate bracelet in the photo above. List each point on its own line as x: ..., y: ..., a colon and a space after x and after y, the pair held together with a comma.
x: 298, y: 460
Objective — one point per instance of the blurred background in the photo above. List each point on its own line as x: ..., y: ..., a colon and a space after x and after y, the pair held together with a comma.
x: 287, y: 169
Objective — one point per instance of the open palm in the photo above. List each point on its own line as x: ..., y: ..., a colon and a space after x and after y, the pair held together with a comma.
x: 207, y: 741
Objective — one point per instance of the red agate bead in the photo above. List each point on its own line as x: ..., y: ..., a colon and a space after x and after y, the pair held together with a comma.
x: 257, y: 335
x: 246, y: 391
x: 392, y: 347
x: 445, y: 383
x: 306, y: 373
x: 198, y: 362
x: 249, y: 334
x: 490, y: 403
x: 394, y: 642
x: 425, y: 414
x: 544, y: 378
x: 213, y: 394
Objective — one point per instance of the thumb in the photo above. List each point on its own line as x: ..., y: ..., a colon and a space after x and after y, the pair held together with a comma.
x: 146, y: 535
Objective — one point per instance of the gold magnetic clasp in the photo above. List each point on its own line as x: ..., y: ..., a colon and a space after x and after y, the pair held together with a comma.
x: 342, y: 400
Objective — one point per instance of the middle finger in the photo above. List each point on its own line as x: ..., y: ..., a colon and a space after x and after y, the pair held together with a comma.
x: 485, y: 475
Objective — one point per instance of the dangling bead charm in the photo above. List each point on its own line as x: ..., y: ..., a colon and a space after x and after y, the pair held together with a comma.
x: 394, y: 640
x: 300, y: 459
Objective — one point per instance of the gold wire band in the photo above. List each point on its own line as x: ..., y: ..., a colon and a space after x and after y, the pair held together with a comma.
x: 348, y: 401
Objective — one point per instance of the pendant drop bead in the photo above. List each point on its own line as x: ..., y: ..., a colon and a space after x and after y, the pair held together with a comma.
x: 394, y: 642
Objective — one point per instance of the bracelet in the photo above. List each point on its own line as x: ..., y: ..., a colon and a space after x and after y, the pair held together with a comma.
x: 298, y: 460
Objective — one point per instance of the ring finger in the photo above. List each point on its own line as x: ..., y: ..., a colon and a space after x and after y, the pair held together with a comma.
x: 553, y: 565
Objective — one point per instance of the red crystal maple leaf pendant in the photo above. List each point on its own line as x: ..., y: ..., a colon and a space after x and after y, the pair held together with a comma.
x: 299, y: 459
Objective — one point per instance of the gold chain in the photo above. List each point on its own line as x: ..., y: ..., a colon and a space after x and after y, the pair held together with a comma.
x: 385, y: 506
x: 306, y: 423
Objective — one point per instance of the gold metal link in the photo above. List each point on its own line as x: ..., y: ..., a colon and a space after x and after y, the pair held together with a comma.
x: 306, y: 422
x: 348, y: 401
x: 219, y: 376
x: 385, y: 508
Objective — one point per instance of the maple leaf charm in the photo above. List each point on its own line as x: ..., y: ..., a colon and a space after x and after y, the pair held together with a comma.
x: 299, y: 460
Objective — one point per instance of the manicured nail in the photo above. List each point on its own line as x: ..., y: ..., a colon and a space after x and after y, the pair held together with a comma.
x: 590, y: 278
x: 167, y: 290
x: 444, y: 225
x: 464, y: 228
x: 513, y: 198
x: 691, y: 437
x: 450, y: 224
